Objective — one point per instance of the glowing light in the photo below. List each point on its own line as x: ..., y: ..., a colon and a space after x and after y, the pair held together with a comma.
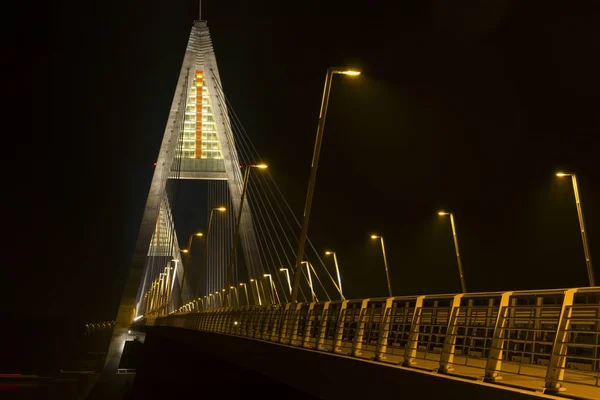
x: 231, y: 287
x: 154, y: 163
x: 561, y: 174
x: 199, y: 234
x: 235, y: 322
x: 129, y: 332
x: 283, y: 269
x: 251, y: 280
x: 443, y: 213
x: 374, y: 237
x: 242, y: 284
x: 328, y: 253
x: 184, y: 250
x: 350, y: 72
x: 222, y: 209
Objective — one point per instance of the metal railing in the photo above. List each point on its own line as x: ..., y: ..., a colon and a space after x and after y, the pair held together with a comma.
x: 552, y: 336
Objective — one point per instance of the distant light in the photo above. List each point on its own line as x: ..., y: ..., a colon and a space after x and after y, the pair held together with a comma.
x: 129, y: 332
x: 350, y: 72
x: 374, y: 237
x: 283, y: 269
x: 267, y: 275
x: 261, y: 166
x: 221, y: 209
x: 251, y: 280
x: 199, y: 234
x: 184, y: 250
x: 443, y: 213
x: 328, y: 253
x: 231, y: 287
x: 561, y: 174
x: 223, y: 290
x: 242, y: 284
x: 154, y: 163
x: 235, y: 322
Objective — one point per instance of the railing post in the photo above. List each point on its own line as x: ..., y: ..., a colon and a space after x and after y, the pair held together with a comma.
x: 558, y: 359
x: 339, y: 331
x: 265, y: 329
x: 294, y: 338
x: 494, y: 359
x: 275, y: 331
x: 287, y: 314
x: 384, y: 331
x: 323, y: 327
x: 358, y: 337
x: 310, y: 316
x: 447, y: 356
x: 410, y: 352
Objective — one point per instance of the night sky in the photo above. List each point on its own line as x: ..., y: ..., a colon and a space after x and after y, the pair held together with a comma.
x: 467, y: 106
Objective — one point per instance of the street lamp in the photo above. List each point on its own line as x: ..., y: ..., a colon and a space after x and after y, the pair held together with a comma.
x: 337, y: 270
x: 257, y: 291
x: 455, y: 236
x: 309, y: 278
x: 245, y: 290
x: 313, y: 170
x: 387, y: 274
x: 236, y: 295
x: 287, y: 274
x: 205, y: 247
x: 189, y: 246
x: 271, y: 284
x: 239, y: 218
x: 586, y: 250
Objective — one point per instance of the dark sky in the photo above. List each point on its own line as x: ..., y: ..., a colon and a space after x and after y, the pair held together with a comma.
x: 469, y: 106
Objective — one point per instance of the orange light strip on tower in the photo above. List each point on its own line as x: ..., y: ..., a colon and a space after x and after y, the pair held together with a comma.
x: 199, y: 79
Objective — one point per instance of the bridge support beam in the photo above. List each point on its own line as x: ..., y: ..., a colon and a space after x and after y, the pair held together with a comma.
x: 556, y: 369
x: 410, y: 352
x: 384, y: 331
x: 494, y: 360
x: 447, y: 356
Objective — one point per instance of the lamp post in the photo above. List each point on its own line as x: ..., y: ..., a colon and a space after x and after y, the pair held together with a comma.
x: 287, y: 275
x: 586, y: 250
x: 239, y: 218
x: 387, y: 273
x: 313, y: 171
x: 187, y: 251
x: 189, y: 243
x: 310, y: 283
x: 270, y: 278
x: 337, y: 270
x: 245, y: 290
x: 205, y: 247
x: 257, y: 291
x: 237, y: 299
x: 455, y: 236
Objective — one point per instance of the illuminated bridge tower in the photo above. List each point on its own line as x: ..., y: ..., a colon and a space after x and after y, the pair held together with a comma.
x: 197, y: 143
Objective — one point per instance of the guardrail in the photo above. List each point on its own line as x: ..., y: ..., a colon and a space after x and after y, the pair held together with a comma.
x: 549, y: 335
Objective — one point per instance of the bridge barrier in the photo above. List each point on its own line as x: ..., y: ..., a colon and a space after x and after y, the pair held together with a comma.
x: 550, y: 336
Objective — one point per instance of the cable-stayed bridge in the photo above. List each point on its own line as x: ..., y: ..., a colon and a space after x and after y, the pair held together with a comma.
x: 234, y: 278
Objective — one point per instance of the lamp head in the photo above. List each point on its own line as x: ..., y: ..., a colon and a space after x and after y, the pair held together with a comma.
x: 562, y: 174
x: 222, y: 209
x: 184, y: 250
x: 222, y: 290
x: 283, y: 269
x: 231, y: 287
x: 242, y: 283
x: 251, y: 280
x: 349, y: 72
x: 267, y: 275
x: 328, y: 253
x: 199, y: 234
x: 260, y: 166
x: 443, y: 213
x: 375, y: 237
